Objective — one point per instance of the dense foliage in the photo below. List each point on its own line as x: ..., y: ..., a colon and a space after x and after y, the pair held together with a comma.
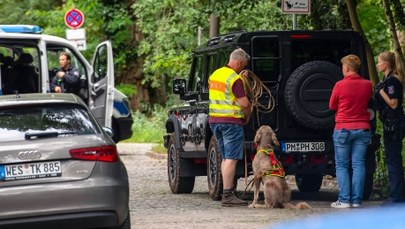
x: 153, y: 40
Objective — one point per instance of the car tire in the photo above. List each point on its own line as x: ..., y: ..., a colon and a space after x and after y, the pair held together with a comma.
x: 177, y: 183
x: 309, y: 182
x: 307, y: 93
x: 368, y: 186
x: 214, y: 176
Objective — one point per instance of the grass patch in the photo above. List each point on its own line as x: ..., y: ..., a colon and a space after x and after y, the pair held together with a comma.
x: 148, y: 129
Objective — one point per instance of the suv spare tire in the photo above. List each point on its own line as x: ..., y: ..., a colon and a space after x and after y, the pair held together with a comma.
x: 307, y: 93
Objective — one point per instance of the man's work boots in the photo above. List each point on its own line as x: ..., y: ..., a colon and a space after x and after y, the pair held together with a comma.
x: 229, y: 199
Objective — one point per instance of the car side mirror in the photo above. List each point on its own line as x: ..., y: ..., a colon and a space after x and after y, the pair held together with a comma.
x: 179, y: 86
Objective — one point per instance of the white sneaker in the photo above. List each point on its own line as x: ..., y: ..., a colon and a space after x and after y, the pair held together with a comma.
x: 356, y: 205
x: 339, y: 204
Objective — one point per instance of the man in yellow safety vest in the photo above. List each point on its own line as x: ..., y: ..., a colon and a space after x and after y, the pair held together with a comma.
x: 229, y: 110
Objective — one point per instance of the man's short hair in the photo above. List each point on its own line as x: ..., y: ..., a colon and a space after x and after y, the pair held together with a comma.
x: 240, y: 55
x: 65, y: 54
x: 352, y: 61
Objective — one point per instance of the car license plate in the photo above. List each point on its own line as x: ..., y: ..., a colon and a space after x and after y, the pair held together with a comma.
x: 30, y: 170
x: 303, y: 146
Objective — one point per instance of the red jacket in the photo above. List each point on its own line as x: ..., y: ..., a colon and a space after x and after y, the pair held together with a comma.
x: 350, y: 98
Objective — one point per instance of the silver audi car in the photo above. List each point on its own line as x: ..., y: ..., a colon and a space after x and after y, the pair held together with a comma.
x: 58, y: 167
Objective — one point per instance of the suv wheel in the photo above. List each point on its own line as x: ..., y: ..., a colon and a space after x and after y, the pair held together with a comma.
x: 308, y: 182
x: 214, y: 175
x: 307, y: 94
x: 177, y: 183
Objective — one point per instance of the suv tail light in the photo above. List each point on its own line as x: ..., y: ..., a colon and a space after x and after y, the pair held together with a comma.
x: 102, y: 153
x: 300, y: 36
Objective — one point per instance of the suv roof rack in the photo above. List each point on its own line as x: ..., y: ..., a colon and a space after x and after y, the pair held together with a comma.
x: 34, y: 29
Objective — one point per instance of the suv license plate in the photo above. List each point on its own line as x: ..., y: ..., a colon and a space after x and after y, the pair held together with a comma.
x: 30, y: 170
x: 302, y: 146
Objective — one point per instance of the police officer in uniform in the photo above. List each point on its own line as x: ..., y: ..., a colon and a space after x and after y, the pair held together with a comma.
x: 67, y: 78
x: 388, y: 97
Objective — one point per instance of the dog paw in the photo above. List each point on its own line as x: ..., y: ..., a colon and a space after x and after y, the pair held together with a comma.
x: 251, y: 206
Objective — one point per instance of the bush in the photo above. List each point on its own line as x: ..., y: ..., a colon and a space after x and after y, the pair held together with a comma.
x: 149, y: 129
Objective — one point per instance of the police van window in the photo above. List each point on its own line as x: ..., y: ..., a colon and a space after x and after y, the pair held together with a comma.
x: 19, y: 69
x: 100, y: 64
x: 265, y: 58
x: 304, y: 51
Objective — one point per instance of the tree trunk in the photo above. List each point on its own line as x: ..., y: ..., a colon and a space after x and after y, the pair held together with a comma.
x: 214, y: 25
x: 397, y: 46
x: 399, y: 12
x: 351, y: 7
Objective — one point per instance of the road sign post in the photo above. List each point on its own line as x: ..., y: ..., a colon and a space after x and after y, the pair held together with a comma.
x: 74, y: 19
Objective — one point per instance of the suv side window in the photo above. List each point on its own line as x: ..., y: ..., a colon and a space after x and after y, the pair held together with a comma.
x: 266, y: 58
x: 198, y: 72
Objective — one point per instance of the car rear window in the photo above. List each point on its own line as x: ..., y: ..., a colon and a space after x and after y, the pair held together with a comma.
x: 16, y: 123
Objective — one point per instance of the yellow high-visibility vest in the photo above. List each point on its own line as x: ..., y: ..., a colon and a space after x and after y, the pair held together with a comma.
x: 223, y: 102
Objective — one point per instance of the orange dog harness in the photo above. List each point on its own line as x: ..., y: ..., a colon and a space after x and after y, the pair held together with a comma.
x: 276, y: 167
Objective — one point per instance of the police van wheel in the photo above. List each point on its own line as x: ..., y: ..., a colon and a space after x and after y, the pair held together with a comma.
x: 177, y: 183
x: 214, y: 175
x: 309, y: 182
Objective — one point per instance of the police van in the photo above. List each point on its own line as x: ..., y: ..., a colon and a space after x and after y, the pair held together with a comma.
x: 28, y: 60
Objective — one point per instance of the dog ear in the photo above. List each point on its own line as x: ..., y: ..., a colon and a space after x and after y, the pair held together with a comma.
x: 275, y: 140
x: 258, y: 136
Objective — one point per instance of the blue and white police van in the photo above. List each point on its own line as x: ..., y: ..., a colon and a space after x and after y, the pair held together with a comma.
x: 28, y: 60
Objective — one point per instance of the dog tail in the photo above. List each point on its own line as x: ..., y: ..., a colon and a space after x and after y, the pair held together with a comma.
x: 300, y: 205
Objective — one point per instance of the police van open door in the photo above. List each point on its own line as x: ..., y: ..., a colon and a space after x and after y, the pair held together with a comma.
x: 102, y: 83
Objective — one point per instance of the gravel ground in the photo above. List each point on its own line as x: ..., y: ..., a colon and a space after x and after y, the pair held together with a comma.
x: 154, y: 206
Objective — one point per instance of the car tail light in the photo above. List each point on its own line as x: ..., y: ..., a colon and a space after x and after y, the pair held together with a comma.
x: 317, y: 159
x: 102, y: 153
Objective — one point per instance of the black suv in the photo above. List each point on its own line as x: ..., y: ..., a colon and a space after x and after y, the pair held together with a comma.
x: 300, y: 68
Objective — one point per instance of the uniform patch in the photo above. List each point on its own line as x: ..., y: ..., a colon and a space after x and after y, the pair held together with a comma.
x: 391, y: 90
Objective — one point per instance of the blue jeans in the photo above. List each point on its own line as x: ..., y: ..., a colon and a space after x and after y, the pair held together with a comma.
x: 230, y: 139
x: 350, y: 149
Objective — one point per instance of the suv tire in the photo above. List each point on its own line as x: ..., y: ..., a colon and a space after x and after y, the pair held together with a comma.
x: 309, y: 182
x: 177, y: 183
x: 307, y: 94
x: 214, y: 175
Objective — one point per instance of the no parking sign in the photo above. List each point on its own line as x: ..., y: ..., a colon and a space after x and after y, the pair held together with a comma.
x: 74, y: 18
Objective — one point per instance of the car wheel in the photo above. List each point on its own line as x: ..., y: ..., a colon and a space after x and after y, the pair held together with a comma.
x: 127, y: 223
x: 309, y: 182
x: 214, y: 175
x: 368, y: 186
x: 307, y: 93
x: 177, y: 183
